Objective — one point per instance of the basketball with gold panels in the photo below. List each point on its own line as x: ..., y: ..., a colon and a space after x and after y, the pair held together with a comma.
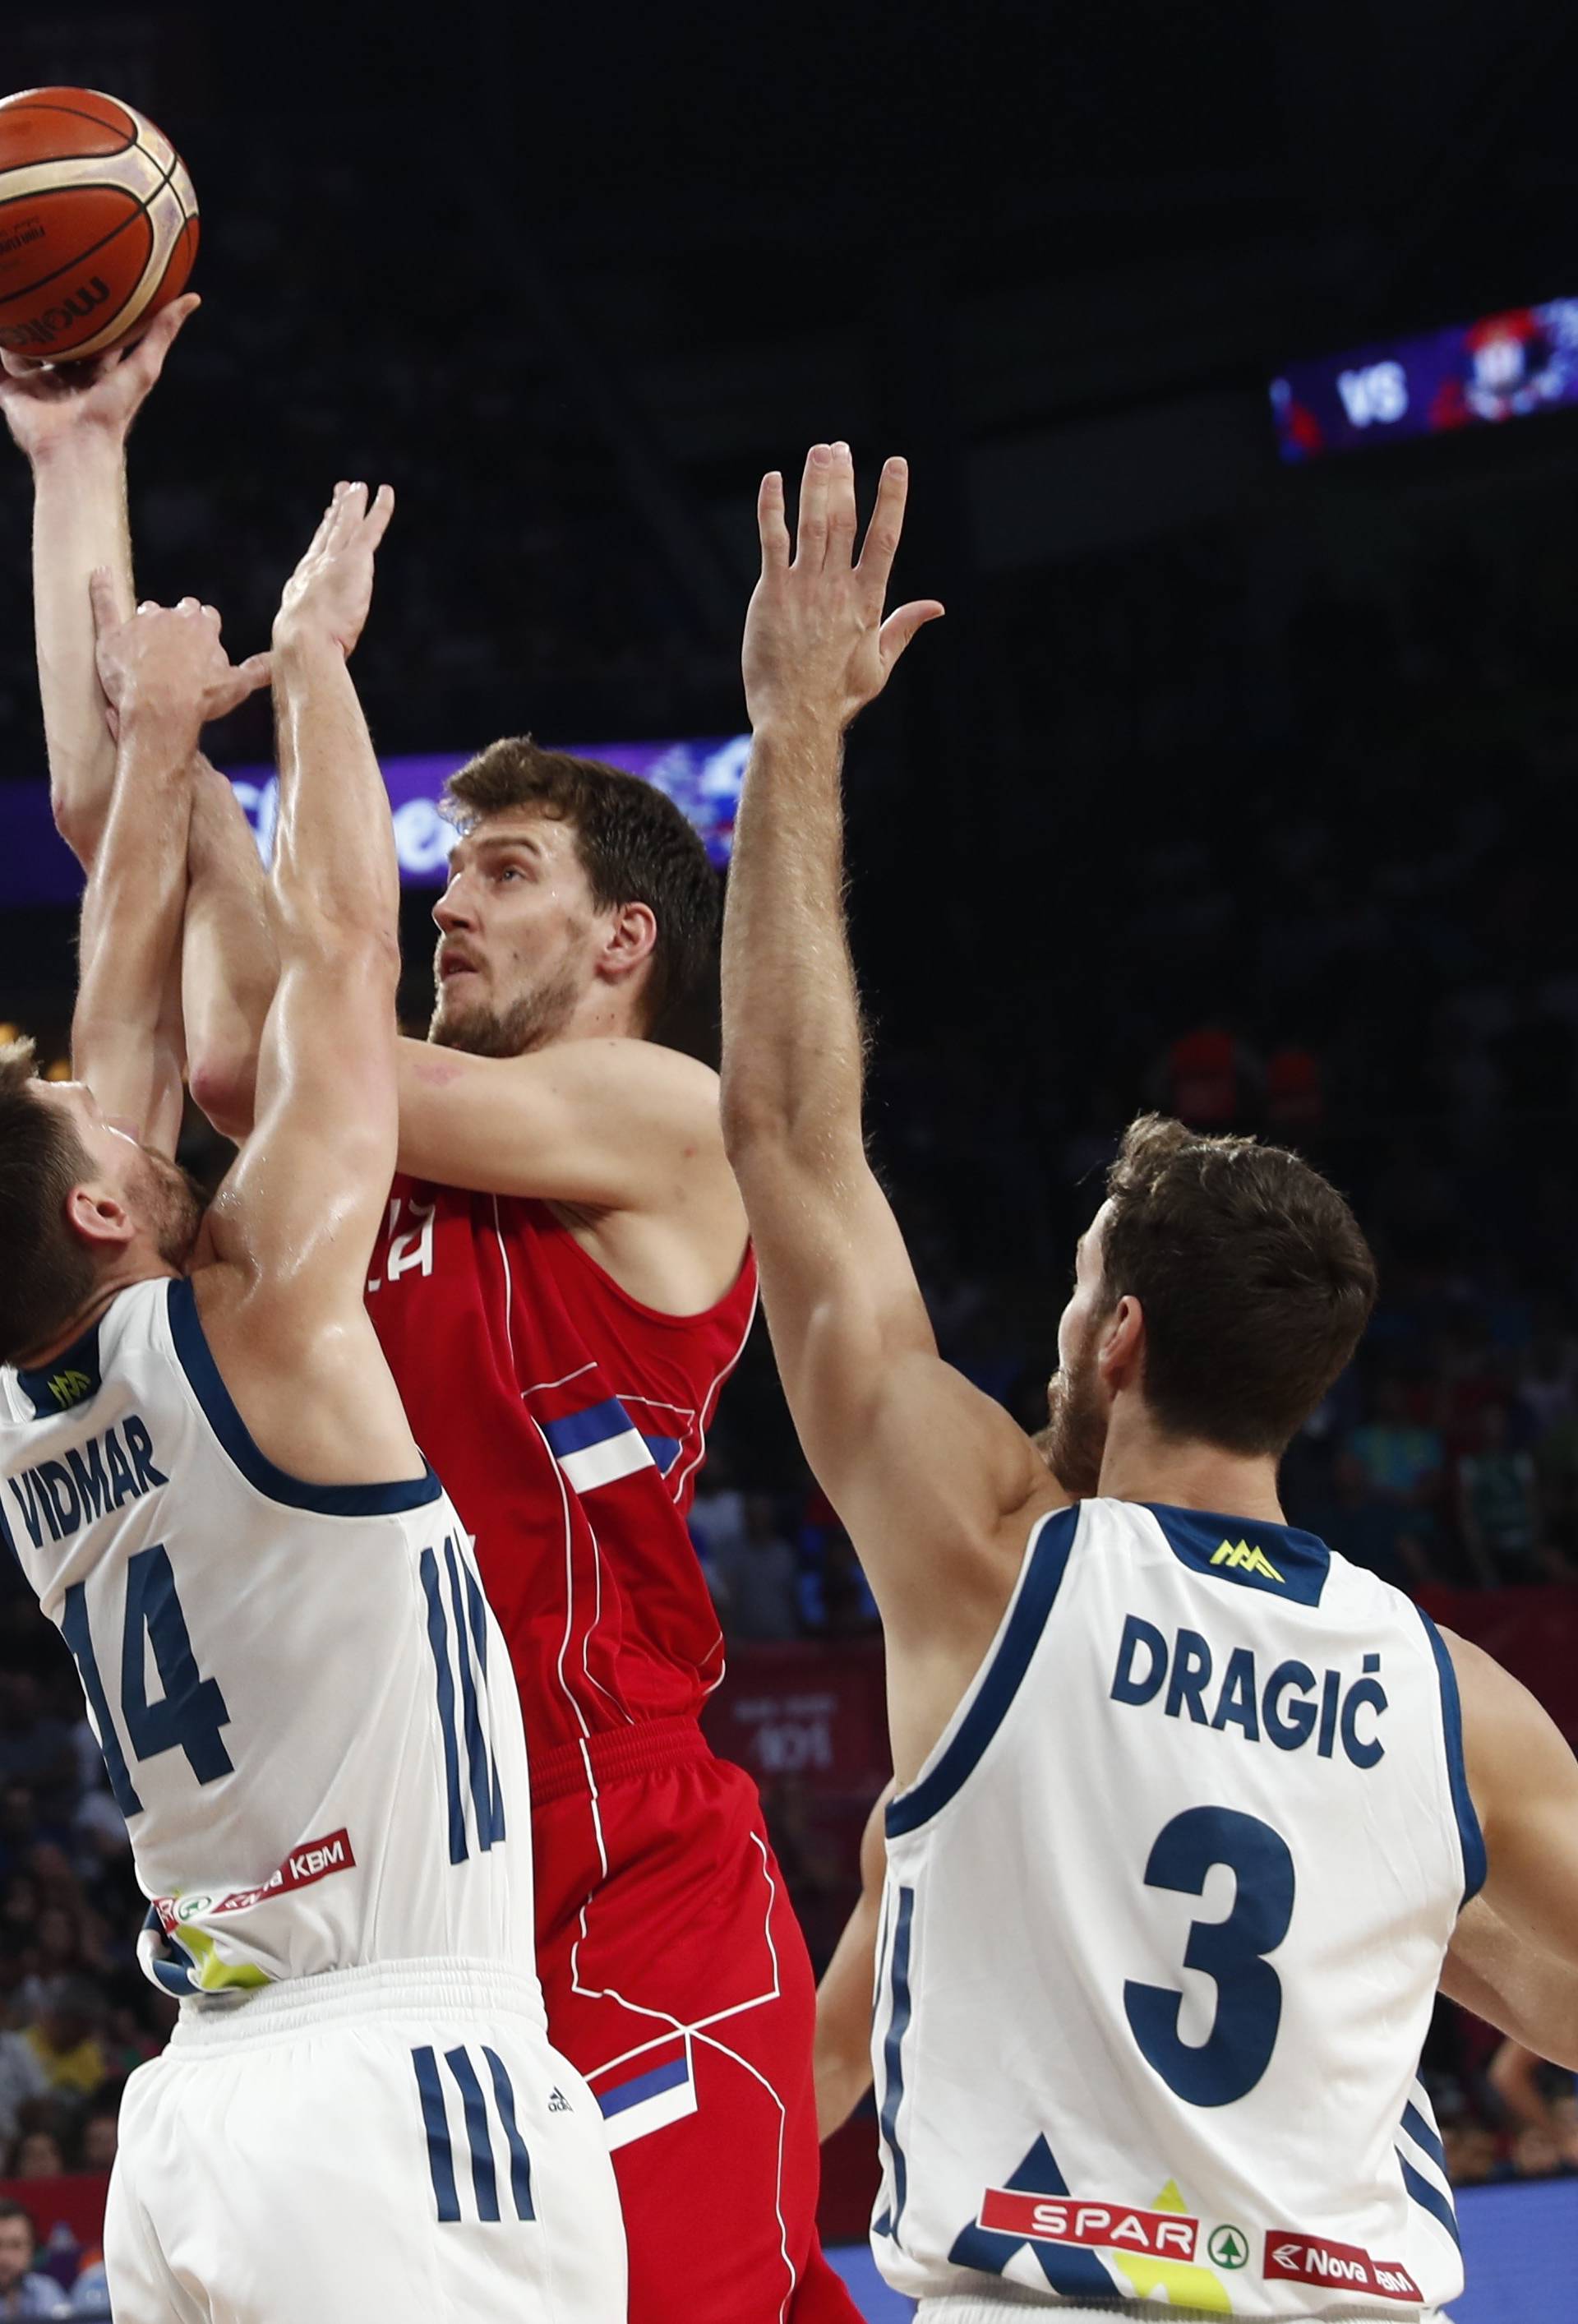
x: 98, y: 222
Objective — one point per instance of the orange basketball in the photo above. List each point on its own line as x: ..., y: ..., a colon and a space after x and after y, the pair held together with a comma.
x: 98, y: 222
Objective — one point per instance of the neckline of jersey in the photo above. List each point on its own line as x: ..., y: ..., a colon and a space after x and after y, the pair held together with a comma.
x: 1296, y: 1542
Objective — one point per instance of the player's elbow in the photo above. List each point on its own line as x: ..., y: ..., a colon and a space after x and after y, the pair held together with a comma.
x: 330, y: 935
x: 756, y: 1117
x: 767, y: 1132
x: 81, y: 828
x: 224, y: 1087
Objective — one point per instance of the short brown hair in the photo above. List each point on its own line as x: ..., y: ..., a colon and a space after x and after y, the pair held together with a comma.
x: 46, y: 1274
x: 1253, y: 1275
x: 635, y: 846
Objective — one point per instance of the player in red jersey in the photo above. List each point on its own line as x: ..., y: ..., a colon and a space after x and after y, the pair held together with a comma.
x: 560, y: 1338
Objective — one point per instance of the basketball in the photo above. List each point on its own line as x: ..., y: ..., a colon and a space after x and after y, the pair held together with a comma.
x: 98, y: 222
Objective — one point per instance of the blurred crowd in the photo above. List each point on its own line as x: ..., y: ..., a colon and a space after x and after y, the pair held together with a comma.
x: 76, y: 2014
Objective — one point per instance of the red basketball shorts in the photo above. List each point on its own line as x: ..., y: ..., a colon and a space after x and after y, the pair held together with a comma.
x: 678, y: 1983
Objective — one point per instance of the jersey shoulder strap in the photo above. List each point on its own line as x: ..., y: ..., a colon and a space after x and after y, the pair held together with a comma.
x: 989, y: 1698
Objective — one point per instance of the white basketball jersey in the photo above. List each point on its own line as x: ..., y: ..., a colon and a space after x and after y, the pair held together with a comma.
x: 305, y: 1708
x: 1164, y: 1916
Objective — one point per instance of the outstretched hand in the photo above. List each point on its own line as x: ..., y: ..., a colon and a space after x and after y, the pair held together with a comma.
x: 816, y: 644
x: 45, y: 403
x: 166, y: 663
x: 330, y: 592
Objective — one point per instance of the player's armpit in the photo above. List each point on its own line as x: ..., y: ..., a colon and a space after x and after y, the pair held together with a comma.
x: 1523, y: 1783
x: 1514, y: 1986
x: 620, y: 1125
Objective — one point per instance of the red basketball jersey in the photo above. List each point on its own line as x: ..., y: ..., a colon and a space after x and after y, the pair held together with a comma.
x: 568, y: 1423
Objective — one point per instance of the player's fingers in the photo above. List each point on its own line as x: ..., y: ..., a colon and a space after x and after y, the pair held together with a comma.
x: 841, y: 517
x: 770, y: 524
x: 902, y: 625
x: 885, y: 529
x: 21, y: 367
x: 350, y: 508
x: 377, y: 515
x: 256, y: 671
x: 155, y: 344
x: 188, y: 606
x: 324, y: 523
x: 811, y: 537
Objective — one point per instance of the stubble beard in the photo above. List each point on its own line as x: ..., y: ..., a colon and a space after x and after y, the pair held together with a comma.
x: 529, y: 1022
x: 1074, y: 1439
x: 173, y: 1206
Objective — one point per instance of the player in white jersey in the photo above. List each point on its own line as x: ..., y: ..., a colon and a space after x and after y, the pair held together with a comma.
x: 306, y: 1710
x: 1187, y: 1809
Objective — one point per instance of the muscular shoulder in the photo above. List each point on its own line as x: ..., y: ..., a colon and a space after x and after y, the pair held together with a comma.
x: 306, y: 1377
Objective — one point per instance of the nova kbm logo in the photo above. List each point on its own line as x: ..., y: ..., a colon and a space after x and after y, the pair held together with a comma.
x: 1246, y: 1560
x: 69, y: 1387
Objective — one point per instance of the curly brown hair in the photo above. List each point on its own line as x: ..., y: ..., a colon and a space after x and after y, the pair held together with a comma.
x: 1254, y: 1278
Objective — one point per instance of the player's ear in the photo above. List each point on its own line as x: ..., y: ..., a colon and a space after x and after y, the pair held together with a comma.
x: 1121, y: 1352
x: 95, y: 1213
x: 632, y: 939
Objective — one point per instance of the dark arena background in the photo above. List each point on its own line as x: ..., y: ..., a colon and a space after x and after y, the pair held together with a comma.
x: 1235, y: 356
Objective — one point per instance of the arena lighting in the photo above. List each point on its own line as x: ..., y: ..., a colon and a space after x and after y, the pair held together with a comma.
x: 702, y: 776
x: 1504, y: 366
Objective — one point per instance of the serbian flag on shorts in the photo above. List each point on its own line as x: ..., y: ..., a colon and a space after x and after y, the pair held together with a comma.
x: 648, y: 2091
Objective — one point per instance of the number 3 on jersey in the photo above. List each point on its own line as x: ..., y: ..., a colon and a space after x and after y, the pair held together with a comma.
x: 1232, y: 1952
x: 190, y: 1712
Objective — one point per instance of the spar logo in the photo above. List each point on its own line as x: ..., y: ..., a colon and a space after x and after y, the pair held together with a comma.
x: 1293, y: 2258
x: 1097, y: 2227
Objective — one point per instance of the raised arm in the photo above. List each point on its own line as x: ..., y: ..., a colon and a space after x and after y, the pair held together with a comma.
x: 923, y: 1469
x: 290, y: 1234
x: 163, y: 674
x: 71, y: 421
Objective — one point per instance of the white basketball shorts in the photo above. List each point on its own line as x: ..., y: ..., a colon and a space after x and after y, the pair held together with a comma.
x: 397, y: 2143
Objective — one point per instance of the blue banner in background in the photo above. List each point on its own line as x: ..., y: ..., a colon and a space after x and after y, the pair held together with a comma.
x: 1474, y: 374
x: 702, y: 777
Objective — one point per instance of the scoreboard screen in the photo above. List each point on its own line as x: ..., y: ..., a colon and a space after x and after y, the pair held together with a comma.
x: 1504, y: 366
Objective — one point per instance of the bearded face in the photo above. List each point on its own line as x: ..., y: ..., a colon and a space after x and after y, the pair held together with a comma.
x: 168, y: 1203
x: 518, y: 929
x: 530, y: 1019
x: 1074, y: 1437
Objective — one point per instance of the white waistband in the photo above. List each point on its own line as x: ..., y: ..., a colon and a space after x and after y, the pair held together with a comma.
x: 406, y: 1988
